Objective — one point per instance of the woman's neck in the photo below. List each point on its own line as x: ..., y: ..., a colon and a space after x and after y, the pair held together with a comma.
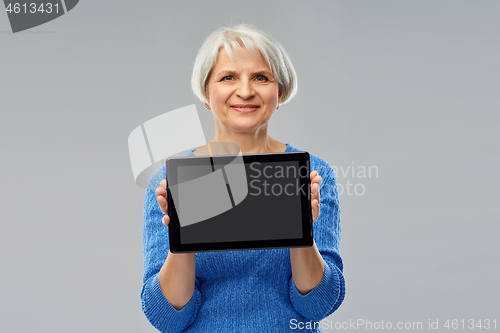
x: 250, y: 143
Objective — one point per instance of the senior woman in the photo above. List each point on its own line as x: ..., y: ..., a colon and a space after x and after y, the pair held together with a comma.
x: 242, y: 75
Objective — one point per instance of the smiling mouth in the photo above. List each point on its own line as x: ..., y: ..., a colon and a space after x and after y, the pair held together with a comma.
x: 245, y: 108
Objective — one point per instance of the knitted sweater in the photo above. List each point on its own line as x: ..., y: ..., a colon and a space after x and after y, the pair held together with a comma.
x: 249, y: 290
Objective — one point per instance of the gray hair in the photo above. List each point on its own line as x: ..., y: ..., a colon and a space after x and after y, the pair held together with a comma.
x: 255, y: 40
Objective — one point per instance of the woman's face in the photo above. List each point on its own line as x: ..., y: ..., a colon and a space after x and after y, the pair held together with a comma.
x: 243, y: 94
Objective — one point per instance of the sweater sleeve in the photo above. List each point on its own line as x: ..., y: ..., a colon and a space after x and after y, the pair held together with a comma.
x: 327, y: 296
x: 158, y: 310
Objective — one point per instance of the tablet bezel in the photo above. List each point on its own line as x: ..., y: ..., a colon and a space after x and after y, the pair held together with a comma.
x: 174, y: 227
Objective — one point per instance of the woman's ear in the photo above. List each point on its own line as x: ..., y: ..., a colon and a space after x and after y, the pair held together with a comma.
x: 207, y: 101
x: 280, y: 95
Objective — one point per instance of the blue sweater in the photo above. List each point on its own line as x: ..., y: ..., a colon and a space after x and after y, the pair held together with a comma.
x: 250, y: 290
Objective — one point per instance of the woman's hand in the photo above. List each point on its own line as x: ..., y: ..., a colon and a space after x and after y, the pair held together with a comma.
x: 307, y: 263
x: 161, y: 193
x: 177, y: 275
x: 315, y: 200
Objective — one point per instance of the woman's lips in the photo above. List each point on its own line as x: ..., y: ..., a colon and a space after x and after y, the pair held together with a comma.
x: 245, y: 108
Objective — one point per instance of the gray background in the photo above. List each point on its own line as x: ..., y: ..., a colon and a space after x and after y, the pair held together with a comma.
x: 411, y: 87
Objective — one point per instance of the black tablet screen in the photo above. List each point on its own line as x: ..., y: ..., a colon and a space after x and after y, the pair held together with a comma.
x: 271, y: 209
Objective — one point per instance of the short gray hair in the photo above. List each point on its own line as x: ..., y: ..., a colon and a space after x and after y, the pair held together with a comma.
x: 255, y: 40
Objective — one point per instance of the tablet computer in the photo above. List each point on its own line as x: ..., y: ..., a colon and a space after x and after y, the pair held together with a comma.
x: 238, y: 202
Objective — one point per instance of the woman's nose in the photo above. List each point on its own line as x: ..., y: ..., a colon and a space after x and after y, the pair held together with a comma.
x: 245, y: 90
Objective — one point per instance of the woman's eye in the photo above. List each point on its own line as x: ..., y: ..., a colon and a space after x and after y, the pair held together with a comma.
x: 227, y: 78
x: 261, y: 78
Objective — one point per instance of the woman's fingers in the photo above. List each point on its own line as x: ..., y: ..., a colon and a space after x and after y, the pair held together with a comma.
x: 315, y: 181
x: 314, y: 189
x: 162, y: 202
x: 315, y: 186
x: 315, y: 205
x: 315, y: 196
x: 315, y: 199
x: 315, y: 209
x: 161, y: 193
x: 165, y: 220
